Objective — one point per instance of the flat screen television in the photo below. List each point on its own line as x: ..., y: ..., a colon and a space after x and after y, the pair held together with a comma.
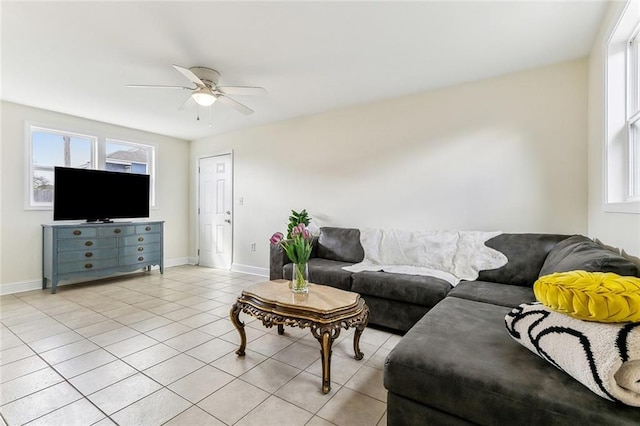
x: 97, y: 195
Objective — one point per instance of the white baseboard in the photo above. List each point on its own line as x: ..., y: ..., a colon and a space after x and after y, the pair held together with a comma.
x: 168, y: 263
x: 20, y: 287
x: 251, y: 270
x: 37, y: 284
x: 193, y: 261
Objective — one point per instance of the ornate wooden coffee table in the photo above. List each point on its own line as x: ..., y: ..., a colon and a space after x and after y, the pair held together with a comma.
x: 325, y: 310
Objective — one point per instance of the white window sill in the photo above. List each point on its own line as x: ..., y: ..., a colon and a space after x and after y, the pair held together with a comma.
x: 632, y: 207
x: 36, y: 207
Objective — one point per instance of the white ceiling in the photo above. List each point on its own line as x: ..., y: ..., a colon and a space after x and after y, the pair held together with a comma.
x: 77, y: 57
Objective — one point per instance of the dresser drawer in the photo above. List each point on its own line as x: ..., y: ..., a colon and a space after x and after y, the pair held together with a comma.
x: 78, y: 232
x: 94, y: 243
x: 135, y: 240
x: 144, y: 229
x: 68, y: 256
x: 139, y: 249
x: 109, y: 231
x: 140, y: 258
x: 86, y: 265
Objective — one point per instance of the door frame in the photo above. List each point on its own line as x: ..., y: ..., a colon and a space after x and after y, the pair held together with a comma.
x: 197, y: 206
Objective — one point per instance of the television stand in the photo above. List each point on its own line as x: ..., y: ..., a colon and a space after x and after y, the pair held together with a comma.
x: 97, y: 250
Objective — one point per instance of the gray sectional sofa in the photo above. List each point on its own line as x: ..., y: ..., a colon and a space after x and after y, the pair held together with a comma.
x: 456, y: 364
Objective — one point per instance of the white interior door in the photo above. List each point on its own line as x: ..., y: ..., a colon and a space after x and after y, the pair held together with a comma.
x: 215, y: 227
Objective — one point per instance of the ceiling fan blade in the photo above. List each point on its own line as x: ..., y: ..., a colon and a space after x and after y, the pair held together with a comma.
x: 242, y: 90
x: 190, y: 75
x: 235, y: 105
x: 148, y: 86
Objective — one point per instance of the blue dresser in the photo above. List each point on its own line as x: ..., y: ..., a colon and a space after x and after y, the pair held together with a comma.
x: 85, y: 250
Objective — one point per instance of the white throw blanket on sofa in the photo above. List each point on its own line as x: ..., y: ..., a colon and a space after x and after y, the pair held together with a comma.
x: 605, y: 357
x: 449, y: 255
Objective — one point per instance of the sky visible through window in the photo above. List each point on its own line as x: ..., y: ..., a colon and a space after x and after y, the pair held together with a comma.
x: 48, y: 150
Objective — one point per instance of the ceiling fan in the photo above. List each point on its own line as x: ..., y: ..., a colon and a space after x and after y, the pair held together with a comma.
x: 207, y: 91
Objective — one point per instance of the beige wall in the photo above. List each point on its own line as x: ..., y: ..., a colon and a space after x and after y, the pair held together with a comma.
x: 621, y: 230
x: 502, y: 154
x: 21, y: 243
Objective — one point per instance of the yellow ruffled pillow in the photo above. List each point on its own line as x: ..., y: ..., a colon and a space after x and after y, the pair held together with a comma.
x: 591, y: 296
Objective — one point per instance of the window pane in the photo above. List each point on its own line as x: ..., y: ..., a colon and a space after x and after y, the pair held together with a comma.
x: 50, y: 149
x: 43, y: 186
x: 634, y: 160
x: 130, y: 158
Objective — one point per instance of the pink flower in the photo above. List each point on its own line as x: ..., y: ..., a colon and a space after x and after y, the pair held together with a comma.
x: 276, y: 238
x: 301, y: 230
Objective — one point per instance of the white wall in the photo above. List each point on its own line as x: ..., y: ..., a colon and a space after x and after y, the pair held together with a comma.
x: 21, y: 243
x: 505, y: 154
x: 616, y: 229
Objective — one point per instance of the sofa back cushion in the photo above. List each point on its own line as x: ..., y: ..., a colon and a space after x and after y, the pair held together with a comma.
x: 342, y: 244
x: 581, y: 253
x: 526, y: 254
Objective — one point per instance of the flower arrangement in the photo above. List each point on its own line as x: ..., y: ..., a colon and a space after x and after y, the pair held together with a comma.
x: 297, y: 247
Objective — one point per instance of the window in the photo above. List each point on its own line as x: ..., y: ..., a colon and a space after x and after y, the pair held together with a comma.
x: 633, y: 116
x: 622, y: 83
x: 130, y: 157
x: 49, y: 148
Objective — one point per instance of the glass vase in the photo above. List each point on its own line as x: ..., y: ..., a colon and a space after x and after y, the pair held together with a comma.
x: 300, y: 278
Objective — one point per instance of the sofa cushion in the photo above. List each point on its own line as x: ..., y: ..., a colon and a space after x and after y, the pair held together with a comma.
x: 416, y: 289
x: 459, y: 359
x: 581, y: 253
x: 498, y: 294
x: 526, y: 254
x: 327, y: 272
x: 341, y: 244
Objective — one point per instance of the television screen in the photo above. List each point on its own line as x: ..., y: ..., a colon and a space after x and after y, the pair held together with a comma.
x: 99, y: 195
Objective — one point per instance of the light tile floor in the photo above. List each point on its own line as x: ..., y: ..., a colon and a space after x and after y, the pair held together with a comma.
x: 151, y: 349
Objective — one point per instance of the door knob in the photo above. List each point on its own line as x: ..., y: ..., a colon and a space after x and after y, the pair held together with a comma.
x: 228, y: 220
x: 228, y: 212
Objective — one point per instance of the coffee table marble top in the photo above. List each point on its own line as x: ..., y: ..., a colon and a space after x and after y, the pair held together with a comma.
x: 322, y: 300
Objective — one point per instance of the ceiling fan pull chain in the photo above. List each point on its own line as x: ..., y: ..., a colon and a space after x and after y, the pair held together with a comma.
x: 210, y: 117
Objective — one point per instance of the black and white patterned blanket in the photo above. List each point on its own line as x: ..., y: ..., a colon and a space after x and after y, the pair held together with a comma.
x: 605, y: 357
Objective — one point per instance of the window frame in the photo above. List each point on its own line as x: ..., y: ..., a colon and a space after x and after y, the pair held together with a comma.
x: 633, y: 116
x: 621, y: 147
x: 98, y: 159
x: 30, y: 203
x: 151, y: 165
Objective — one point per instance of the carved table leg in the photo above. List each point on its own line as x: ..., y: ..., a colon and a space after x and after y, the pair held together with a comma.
x: 326, y: 336
x: 280, y: 329
x: 326, y: 361
x: 235, y: 319
x: 356, y: 336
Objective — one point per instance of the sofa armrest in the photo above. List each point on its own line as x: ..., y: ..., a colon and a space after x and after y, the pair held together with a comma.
x: 278, y: 258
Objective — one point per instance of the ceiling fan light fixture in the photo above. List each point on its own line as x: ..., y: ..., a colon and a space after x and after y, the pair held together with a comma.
x: 204, y: 97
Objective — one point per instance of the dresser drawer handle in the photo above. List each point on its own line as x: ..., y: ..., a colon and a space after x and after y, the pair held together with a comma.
x: 140, y: 239
x: 88, y: 243
x: 88, y: 266
x: 140, y: 248
x: 148, y: 228
x: 88, y: 254
x: 117, y: 231
x: 77, y: 232
x: 140, y: 259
